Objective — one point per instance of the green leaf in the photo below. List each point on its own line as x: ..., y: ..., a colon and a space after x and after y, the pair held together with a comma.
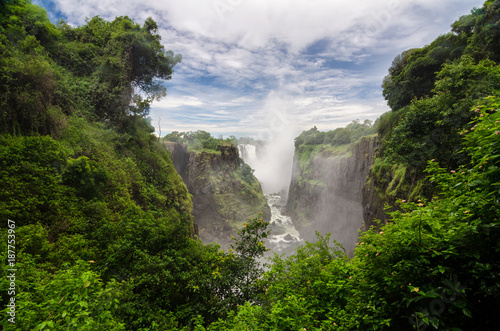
x: 435, y: 322
x: 466, y: 312
x: 475, y: 183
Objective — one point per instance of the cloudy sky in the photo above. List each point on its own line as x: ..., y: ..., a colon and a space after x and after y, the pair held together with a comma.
x: 263, y: 68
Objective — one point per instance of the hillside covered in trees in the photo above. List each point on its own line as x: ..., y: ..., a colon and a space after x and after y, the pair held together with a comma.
x: 101, y: 222
x: 98, y: 225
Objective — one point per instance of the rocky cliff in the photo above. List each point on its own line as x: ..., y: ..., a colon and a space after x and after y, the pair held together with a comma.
x: 326, y: 190
x: 225, y: 192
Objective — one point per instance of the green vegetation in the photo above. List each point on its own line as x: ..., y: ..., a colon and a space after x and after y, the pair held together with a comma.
x: 199, y: 140
x: 104, y: 70
x: 434, y: 265
x: 339, y: 136
x: 104, y: 233
x: 431, y: 91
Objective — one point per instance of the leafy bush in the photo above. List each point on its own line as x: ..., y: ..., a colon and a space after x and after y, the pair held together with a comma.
x: 432, y: 265
x: 339, y: 136
x: 73, y: 297
x: 85, y: 176
x: 198, y: 140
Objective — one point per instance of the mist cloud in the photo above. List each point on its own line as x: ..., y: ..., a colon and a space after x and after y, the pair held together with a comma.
x: 327, y: 56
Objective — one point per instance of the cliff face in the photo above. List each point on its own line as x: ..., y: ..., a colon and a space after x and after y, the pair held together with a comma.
x: 178, y: 155
x: 225, y: 193
x: 326, y: 190
x: 380, y: 186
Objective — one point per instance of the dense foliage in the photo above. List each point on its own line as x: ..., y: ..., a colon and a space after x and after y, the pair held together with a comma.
x: 199, y: 140
x: 434, y: 265
x: 413, y: 73
x: 426, y: 125
x: 103, y: 69
x: 104, y: 233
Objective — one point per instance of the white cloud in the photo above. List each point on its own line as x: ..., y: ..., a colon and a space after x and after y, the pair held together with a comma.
x: 252, y: 23
x: 175, y: 102
x: 319, y: 62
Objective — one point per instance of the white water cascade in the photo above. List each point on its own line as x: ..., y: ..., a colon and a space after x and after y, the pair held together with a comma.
x: 284, y: 236
x: 248, y: 153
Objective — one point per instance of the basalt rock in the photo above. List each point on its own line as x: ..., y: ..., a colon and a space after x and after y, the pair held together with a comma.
x: 223, y: 199
x: 326, y: 193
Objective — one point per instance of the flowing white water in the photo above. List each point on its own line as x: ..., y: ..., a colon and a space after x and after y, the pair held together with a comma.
x: 248, y: 153
x: 284, y: 236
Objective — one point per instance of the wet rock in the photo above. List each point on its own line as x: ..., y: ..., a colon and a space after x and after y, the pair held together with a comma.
x: 326, y: 193
x: 221, y: 199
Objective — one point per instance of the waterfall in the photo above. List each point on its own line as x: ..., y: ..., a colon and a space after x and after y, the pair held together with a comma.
x: 284, y: 237
x: 248, y: 153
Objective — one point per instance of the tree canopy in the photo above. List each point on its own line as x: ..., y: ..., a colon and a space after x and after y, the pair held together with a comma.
x: 100, y: 225
x: 108, y: 70
x: 413, y: 72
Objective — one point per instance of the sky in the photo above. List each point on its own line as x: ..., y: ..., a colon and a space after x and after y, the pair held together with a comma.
x: 269, y: 69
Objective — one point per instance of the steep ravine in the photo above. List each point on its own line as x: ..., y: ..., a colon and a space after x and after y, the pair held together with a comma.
x: 225, y: 194
x: 326, y: 190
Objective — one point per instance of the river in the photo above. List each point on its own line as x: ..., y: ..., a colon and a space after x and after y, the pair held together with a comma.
x: 284, y: 238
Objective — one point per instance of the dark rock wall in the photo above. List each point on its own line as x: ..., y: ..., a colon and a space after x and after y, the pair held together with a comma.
x: 222, y: 199
x: 327, y: 196
x: 178, y: 154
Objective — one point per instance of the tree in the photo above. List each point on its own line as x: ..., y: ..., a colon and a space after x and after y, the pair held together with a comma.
x: 413, y: 72
x: 130, y: 65
x: 249, y: 248
x: 105, y: 70
x: 429, y: 127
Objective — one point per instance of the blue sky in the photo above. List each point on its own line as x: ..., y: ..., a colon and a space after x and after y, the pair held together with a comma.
x: 271, y: 68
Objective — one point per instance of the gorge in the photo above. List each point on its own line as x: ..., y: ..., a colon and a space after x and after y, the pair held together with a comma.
x: 323, y: 192
x: 224, y: 192
x: 326, y: 190
x: 109, y: 226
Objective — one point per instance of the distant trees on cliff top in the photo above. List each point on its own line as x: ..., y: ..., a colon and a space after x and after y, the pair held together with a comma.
x: 339, y: 136
x: 198, y: 140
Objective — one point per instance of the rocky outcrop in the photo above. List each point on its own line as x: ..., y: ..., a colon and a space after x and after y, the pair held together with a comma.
x: 178, y: 154
x: 388, y: 182
x: 224, y: 195
x: 373, y: 202
x: 326, y: 191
